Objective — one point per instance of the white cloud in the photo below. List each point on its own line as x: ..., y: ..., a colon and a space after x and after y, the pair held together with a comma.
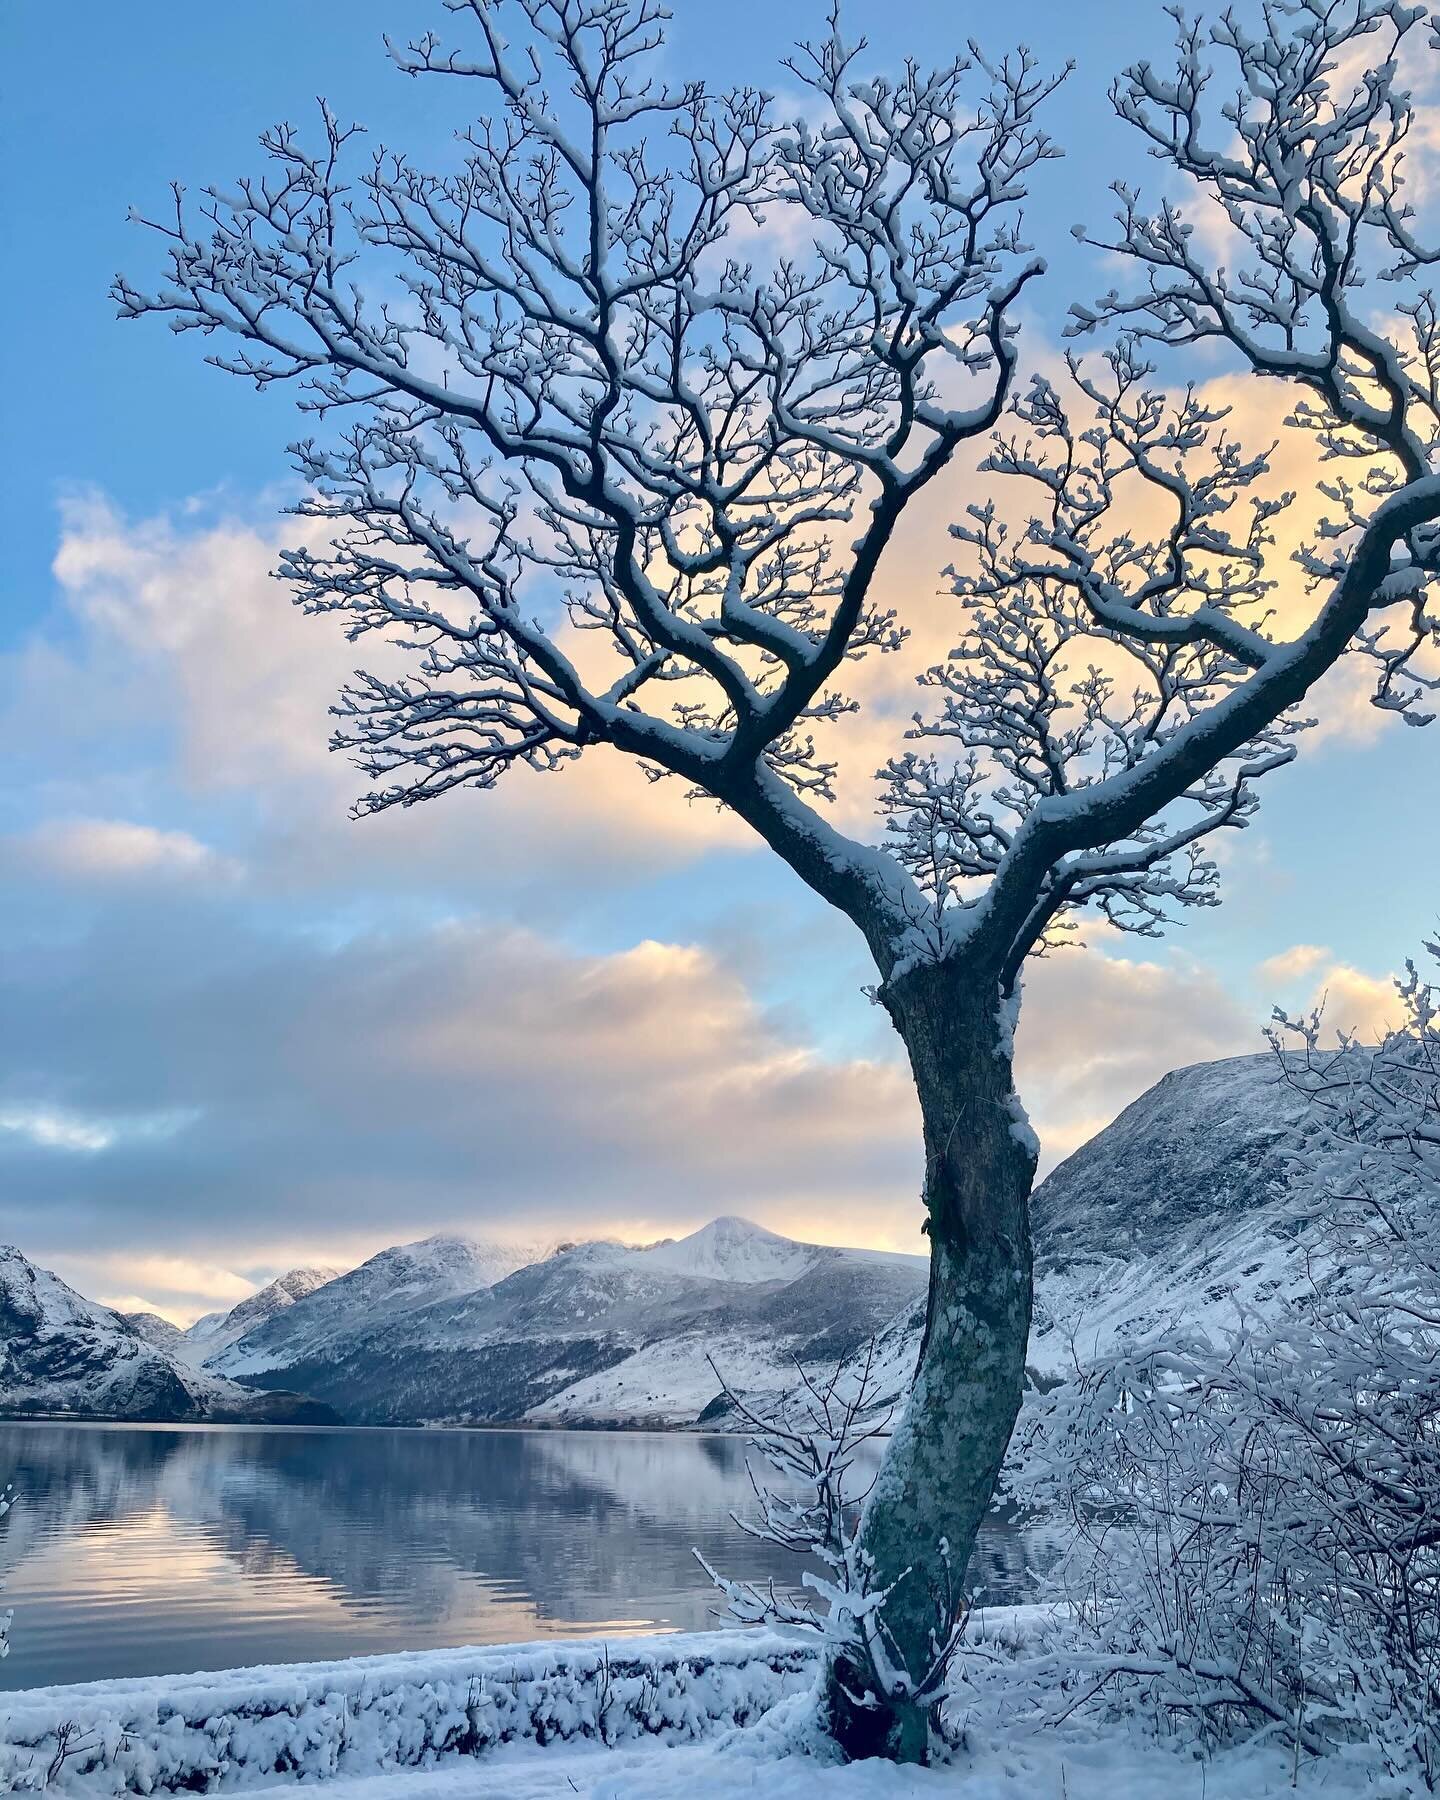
x: 1296, y: 962
x: 103, y: 850
x: 1354, y: 1002
x: 57, y: 1128
x: 52, y: 1130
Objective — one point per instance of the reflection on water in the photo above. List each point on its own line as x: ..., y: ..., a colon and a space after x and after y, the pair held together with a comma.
x: 145, y: 1550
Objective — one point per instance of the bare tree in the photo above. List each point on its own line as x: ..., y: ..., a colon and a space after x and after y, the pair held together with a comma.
x: 622, y: 470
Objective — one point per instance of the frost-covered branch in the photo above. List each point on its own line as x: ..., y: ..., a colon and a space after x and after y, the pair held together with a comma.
x: 1090, y: 648
x: 1125, y: 677
x: 604, y: 434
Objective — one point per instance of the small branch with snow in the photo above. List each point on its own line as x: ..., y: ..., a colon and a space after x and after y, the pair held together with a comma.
x: 811, y: 1503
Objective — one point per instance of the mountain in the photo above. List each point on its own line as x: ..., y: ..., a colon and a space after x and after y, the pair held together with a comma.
x: 1169, y: 1215
x: 155, y: 1330
x: 596, y: 1333
x: 216, y: 1331
x: 385, y: 1288
x: 62, y: 1354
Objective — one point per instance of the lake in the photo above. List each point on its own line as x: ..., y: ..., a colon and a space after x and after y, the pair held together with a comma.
x: 153, y: 1550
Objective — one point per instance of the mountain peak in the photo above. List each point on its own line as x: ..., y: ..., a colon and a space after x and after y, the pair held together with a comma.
x: 734, y: 1249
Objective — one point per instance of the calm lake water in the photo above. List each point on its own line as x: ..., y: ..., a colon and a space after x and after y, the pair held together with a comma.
x: 160, y: 1550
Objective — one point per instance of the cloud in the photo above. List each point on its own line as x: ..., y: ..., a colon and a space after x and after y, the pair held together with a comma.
x: 459, y: 1076
x: 1294, y: 963
x: 51, y: 1129
x: 105, y: 850
x: 1096, y: 1030
x: 58, y: 1128
x: 1352, y: 1001
x: 184, y: 655
x: 178, y: 1288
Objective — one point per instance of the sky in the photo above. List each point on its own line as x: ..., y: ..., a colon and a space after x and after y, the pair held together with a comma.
x: 238, y: 1029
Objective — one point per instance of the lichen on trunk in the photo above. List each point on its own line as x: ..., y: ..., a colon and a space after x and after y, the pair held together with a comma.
x: 939, y: 1472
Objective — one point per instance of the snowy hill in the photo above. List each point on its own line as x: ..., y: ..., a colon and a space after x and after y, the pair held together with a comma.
x: 389, y: 1285
x: 208, y: 1336
x: 61, y: 1354
x: 597, y: 1333
x: 730, y: 1249
x: 156, y: 1330
x: 1166, y: 1216
x: 1169, y: 1215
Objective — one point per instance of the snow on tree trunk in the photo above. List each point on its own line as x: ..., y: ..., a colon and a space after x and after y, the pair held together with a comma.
x: 935, y: 1484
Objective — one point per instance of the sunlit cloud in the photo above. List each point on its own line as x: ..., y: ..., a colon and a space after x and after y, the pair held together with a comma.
x: 1295, y: 963
x: 116, y: 850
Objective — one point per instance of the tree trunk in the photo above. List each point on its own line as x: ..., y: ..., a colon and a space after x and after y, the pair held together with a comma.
x: 939, y: 1471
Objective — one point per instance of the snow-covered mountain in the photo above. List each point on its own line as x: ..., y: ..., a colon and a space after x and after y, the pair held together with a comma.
x: 161, y: 1332
x: 62, y: 1354
x: 596, y: 1333
x: 1170, y: 1214
x: 216, y: 1331
x: 385, y: 1288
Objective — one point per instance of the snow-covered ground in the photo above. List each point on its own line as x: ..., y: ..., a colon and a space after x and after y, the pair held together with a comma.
x: 1074, y: 1769
x: 716, y: 1714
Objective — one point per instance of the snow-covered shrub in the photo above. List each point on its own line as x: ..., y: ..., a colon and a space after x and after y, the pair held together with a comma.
x: 813, y: 1442
x: 365, y: 1716
x: 1256, y: 1517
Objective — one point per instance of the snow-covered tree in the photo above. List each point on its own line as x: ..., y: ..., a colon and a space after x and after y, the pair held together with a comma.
x: 622, y: 409
x: 1256, y: 1514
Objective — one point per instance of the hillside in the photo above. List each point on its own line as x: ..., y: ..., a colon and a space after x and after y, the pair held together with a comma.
x: 1168, y: 1214
x: 598, y: 1333
x: 215, y: 1332
x: 61, y: 1354
x: 394, y: 1282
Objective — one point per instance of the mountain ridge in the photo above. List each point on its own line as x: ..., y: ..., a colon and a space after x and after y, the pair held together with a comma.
x: 62, y: 1355
x: 1170, y: 1214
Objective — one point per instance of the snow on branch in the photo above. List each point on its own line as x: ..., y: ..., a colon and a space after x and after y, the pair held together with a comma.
x: 1090, y: 647
x: 617, y: 389
x: 812, y: 1444
x: 617, y: 416
x: 1124, y: 681
x: 1312, y: 185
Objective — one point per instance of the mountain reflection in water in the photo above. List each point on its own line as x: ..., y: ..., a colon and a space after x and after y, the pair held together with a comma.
x: 160, y: 1550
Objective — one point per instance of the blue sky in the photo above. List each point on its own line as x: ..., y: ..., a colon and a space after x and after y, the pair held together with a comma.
x: 225, y: 1004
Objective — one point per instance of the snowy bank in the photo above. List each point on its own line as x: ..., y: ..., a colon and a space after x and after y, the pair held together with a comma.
x: 248, y: 1728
